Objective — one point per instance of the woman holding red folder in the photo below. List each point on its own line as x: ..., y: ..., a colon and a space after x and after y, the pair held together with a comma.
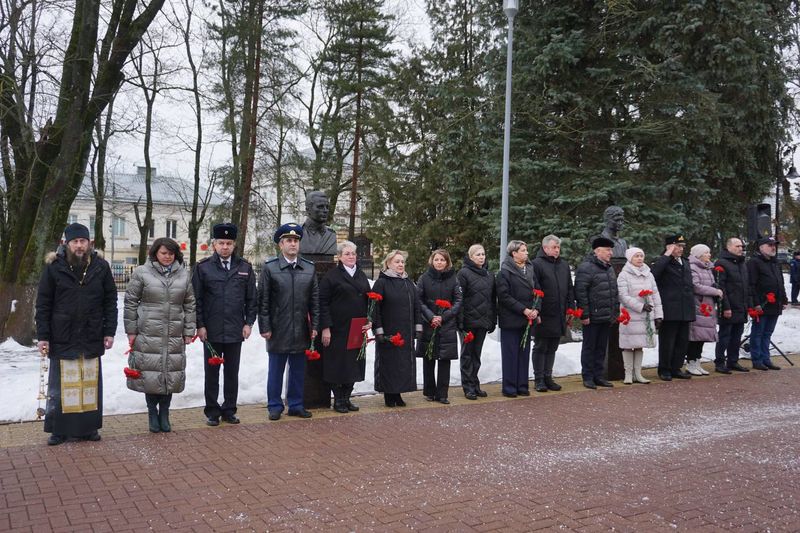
x: 343, y: 305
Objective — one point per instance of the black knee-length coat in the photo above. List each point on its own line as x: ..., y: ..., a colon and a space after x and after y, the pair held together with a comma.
x: 398, y: 312
x: 431, y: 286
x: 342, y: 298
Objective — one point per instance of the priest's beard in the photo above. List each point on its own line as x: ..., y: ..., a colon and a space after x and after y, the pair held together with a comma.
x: 77, y: 263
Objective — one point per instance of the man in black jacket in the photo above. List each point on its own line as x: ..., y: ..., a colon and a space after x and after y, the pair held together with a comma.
x: 674, y: 279
x: 555, y: 280
x: 731, y: 273
x: 769, y: 296
x: 288, y: 318
x: 76, y: 318
x: 596, y: 293
x: 225, y: 298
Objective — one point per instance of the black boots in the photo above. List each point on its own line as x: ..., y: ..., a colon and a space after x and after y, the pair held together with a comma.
x: 541, y: 386
x: 163, y: 413
x: 551, y: 385
x: 152, y: 418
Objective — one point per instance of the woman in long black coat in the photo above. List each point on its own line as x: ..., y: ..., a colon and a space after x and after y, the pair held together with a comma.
x: 478, y: 316
x: 396, y: 323
x: 342, y: 297
x: 516, y: 309
x: 438, y: 283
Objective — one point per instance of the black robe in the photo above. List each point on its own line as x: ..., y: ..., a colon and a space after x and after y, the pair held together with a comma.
x: 341, y: 299
x: 395, y: 367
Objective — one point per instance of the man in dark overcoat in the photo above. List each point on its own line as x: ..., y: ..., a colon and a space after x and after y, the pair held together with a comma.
x: 597, y: 295
x: 769, y: 296
x: 555, y: 280
x: 288, y: 318
x: 76, y: 319
x: 674, y: 279
x: 731, y: 273
x: 225, y: 298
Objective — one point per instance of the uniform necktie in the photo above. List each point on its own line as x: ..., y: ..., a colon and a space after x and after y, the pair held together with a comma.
x: 225, y: 264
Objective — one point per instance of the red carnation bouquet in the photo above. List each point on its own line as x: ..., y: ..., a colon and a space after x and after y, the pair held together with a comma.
x: 311, y: 353
x: 705, y: 310
x: 537, y: 297
x: 468, y: 337
x: 574, y: 321
x: 442, y: 305
x: 215, y: 359
x: 131, y: 373
x: 624, y: 317
x: 755, y: 314
x: 374, y: 298
x: 648, y: 325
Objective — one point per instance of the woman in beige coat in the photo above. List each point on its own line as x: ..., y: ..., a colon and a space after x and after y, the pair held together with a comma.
x: 160, y: 321
x: 645, y: 313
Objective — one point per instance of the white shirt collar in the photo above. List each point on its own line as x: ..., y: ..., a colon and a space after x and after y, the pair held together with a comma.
x: 351, y: 271
x: 290, y: 261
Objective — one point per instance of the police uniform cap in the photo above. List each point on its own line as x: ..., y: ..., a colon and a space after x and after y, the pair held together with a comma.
x: 225, y: 231
x: 766, y: 240
x: 290, y: 229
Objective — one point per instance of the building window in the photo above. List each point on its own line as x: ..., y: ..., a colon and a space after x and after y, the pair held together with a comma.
x: 118, y: 226
x: 172, y: 229
x: 92, y: 220
x: 72, y: 218
x: 152, y: 232
x: 131, y: 260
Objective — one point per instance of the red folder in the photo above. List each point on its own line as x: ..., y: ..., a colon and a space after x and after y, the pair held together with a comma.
x: 356, y: 337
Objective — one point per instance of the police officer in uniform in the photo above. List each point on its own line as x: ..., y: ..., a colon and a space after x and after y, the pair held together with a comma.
x: 288, y: 318
x: 225, y: 293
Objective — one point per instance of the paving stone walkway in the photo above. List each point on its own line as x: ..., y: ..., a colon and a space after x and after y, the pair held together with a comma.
x: 709, y: 454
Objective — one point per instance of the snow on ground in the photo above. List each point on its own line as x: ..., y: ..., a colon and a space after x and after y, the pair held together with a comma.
x: 19, y: 380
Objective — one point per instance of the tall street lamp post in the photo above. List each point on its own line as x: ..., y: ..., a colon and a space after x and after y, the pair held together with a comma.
x: 510, y: 8
x: 791, y: 175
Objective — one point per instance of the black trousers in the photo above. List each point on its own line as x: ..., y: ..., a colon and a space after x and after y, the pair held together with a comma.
x: 471, y: 361
x: 694, y: 350
x: 158, y: 400
x: 673, y: 340
x: 231, y: 352
x: 593, y: 351
x: 544, y: 355
x: 730, y: 337
x: 435, y: 383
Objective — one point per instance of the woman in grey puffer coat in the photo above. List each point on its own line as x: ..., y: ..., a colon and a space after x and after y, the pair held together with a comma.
x: 160, y: 321
x: 704, y: 329
x: 634, y: 278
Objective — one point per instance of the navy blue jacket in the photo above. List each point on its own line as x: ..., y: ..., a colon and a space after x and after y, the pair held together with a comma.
x: 225, y: 299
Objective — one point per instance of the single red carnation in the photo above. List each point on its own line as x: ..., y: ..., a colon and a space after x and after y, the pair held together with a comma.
x: 718, y: 268
x: 538, y: 293
x: 771, y: 297
x: 469, y: 337
x: 624, y: 317
x: 375, y: 296
x: 131, y: 373
x: 397, y: 340
x: 444, y: 304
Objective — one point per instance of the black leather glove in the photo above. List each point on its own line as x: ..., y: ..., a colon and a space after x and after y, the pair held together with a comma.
x: 647, y: 308
x: 658, y: 323
x: 380, y: 338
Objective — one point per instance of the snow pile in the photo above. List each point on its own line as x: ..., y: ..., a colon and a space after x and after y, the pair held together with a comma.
x: 19, y: 381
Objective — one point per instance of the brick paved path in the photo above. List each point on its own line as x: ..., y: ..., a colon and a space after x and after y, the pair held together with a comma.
x: 709, y: 454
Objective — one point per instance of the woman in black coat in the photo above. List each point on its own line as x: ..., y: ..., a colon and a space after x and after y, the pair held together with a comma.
x: 438, y: 283
x: 478, y: 316
x: 342, y: 297
x: 516, y: 310
x: 396, y: 323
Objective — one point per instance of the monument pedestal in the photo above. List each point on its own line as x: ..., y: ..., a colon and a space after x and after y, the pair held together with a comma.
x: 615, y: 369
x: 317, y: 393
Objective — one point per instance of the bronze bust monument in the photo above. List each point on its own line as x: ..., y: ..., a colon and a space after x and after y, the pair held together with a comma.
x: 318, y: 238
x: 614, y: 218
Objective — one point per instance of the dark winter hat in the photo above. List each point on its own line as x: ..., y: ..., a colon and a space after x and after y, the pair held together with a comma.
x: 290, y: 229
x: 674, y: 239
x: 76, y: 231
x: 224, y: 231
x: 766, y: 240
x: 796, y: 253
x: 602, y: 242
